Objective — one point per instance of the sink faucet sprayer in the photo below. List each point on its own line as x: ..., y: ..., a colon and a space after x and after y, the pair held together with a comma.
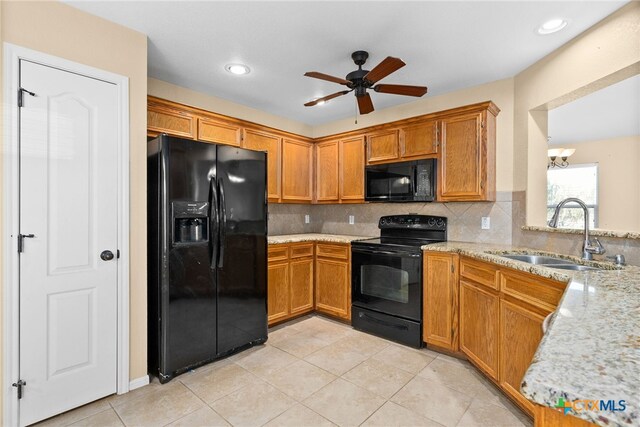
x: 588, y: 248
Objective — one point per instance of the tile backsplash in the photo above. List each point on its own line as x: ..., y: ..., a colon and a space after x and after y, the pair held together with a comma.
x: 507, y: 218
x: 464, y: 218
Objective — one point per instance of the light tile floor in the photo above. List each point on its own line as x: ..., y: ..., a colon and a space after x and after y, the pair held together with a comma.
x: 313, y: 372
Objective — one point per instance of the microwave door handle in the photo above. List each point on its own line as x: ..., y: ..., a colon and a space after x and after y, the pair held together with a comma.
x: 214, y: 222
x: 415, y: 181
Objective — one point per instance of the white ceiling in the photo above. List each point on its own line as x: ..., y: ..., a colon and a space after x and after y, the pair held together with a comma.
x: 447, y: 45
x: 611, y: 112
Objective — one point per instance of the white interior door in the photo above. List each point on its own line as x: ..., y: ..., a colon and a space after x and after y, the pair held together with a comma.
x: 68, y: 201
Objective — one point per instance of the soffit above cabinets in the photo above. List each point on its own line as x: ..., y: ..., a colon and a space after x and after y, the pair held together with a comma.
x: 447, y: 45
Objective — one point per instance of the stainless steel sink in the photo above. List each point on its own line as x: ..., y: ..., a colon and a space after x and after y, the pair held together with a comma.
x: 550, y: 262
x: 574, y: 267
x: 537, y: 259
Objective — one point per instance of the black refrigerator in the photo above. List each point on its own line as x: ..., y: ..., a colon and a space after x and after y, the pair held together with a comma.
x: 207, y: 253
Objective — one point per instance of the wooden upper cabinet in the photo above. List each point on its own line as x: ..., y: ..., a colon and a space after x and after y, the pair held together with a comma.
x: 419, y: 140
x: 219, y: 132
x: 263, y: 141
x: 440, y: 322
x: 352, y: 170
x: 327, y: 171
x: 467, y: 157
x: 174, y: 122
x: 382, y: 147
x: 297, y: 169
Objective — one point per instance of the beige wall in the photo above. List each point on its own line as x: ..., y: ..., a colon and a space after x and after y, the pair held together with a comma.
x: 618, y: 177
x: 57, y: 29
x: 606, y: 53
x: 165, y: 90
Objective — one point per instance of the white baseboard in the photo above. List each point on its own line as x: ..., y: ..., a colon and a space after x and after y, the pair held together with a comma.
x: 138, y: 382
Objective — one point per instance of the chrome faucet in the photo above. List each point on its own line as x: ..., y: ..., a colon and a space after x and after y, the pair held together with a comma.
x: 589, y: 248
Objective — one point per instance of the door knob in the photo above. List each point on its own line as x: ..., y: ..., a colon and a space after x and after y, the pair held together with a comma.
x: 106, y: 255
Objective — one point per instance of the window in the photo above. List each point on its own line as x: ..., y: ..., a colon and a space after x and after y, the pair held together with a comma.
x: 579, y: 181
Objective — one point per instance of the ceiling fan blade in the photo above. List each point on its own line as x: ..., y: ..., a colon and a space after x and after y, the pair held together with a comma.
x: 326, y: 98
x: 383, y: 69
x: 322, y: 76
x: 364, y: 104
x: 401, y: 89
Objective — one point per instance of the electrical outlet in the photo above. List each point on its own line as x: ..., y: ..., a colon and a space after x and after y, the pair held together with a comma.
x: 307, y: 219
x: 486, y: 223
x: 352, y: 219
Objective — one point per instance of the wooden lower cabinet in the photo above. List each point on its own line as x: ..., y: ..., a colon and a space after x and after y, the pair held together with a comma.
x: 277, y: 291
x: 520, y: 334
x: 440, y: 300
x: 500, y: 316
x: 290, y: 281
x: 301, y: 287
x: 549, y: 417
x: 479, y: 334
x: 306, y: 276
x: 333, y: 280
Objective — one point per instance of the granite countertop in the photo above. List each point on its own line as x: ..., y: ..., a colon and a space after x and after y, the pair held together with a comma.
x: 592, y: 232
x: 313, y: 237
x: 591, y: 350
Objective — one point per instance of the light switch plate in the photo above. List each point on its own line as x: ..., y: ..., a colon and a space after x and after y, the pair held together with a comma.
x: 486, y: 223
x: 352, y: 219
x: 307, y: 219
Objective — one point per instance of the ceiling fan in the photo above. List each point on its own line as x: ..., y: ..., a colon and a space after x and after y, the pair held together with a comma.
x: 360, y: 80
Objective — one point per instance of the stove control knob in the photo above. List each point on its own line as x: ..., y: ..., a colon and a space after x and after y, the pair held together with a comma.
x: 431, y: 222
x: 440, y: 223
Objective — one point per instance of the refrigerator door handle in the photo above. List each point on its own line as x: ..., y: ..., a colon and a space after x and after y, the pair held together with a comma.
x: 214, y: 221
x: 223, y: 227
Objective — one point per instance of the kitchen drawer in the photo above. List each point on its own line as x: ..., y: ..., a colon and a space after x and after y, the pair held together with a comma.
x: 480, y: 272
x: 300, y: 250
x: 278, y: 252
x: 332, y: 251
x: 535, y: 290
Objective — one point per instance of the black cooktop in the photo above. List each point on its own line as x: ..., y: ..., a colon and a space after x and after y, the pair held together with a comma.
x: 406, y: 233
x: 396, y: 241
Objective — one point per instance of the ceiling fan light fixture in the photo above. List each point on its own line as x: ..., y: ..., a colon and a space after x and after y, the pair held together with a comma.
x: 552, y: 26
x: 237, y: 69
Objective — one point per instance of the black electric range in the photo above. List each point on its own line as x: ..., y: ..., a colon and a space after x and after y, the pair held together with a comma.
x: 387, y: 276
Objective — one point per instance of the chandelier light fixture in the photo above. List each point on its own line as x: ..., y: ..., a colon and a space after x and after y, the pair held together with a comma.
x: 562, y: 153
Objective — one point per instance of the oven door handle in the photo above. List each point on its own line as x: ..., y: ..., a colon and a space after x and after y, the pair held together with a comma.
x: 378, y: 252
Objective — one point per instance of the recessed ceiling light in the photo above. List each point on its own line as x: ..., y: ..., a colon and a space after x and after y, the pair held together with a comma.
x: 551, y: 26
x: 237, y: 69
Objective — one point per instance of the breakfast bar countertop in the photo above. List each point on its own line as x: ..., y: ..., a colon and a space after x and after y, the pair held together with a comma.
x: 591, y: 350
x: 313, y: 237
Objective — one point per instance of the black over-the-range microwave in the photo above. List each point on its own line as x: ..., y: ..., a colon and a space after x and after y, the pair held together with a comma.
x: 401, y: 182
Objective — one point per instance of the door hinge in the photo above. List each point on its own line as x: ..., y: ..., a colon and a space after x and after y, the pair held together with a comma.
x: 21, y: 92
x: 19, y: 385
x: 482, y: 124
x: 21, y: 238
x: 118, y: 253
